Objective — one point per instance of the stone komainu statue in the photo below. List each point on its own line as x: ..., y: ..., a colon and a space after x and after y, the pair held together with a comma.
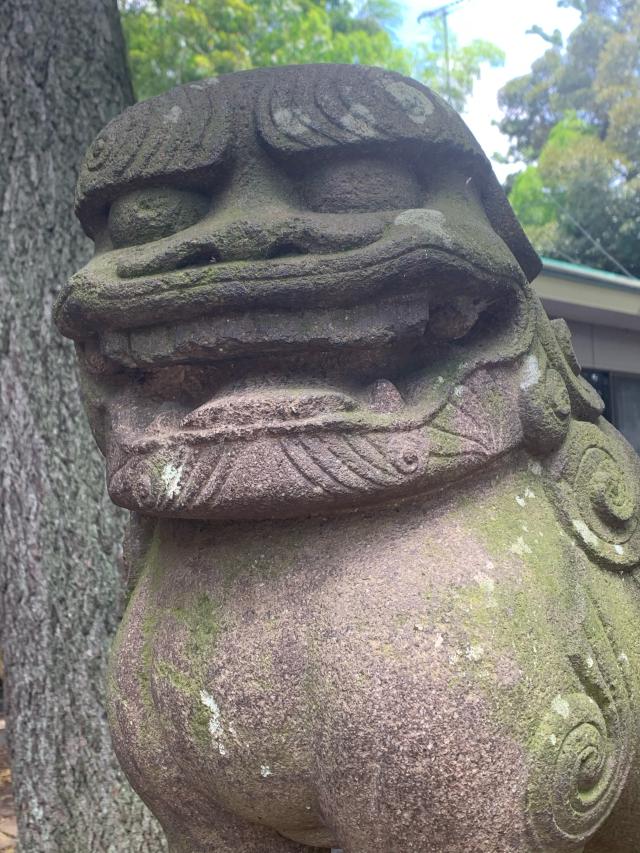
x: 385, y: 542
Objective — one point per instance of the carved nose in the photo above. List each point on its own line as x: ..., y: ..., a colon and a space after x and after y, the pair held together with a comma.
x: 264, y: 237
x: 247, y: 239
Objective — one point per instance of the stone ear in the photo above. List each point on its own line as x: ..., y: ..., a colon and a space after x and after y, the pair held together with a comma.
x: 504, y: 222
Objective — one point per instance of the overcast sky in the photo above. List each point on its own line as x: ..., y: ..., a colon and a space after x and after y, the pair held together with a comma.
x: 504, y: 22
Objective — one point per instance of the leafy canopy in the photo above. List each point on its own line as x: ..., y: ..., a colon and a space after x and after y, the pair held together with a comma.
x: 575, y: 119
x: 178, y: 41
x: 465, y: 63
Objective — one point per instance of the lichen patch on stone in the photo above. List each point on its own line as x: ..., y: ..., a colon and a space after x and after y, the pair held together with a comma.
x: 215, y: 725
x: 520, y: 547
x: 561, y: 707
x: 171, y: 476
x: 174, y: 115
x: 530, y: 372
x: 588, y: 535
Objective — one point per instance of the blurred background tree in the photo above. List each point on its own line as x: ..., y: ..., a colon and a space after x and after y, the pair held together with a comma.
x: 64, y: 75
x: 465, y: 64
x: 575, y: 120
x: 177, y: 41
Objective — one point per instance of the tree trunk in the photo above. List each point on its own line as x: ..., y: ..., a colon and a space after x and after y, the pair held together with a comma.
x: 62, y: 76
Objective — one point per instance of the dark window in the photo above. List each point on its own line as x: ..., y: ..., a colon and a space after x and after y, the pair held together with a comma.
x: 626, y: 406
x: 621, y: 395
x: 600, y: 379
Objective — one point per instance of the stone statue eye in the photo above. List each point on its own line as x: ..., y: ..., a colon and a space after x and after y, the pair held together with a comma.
x: 149, y: 214
x: 363, y: 184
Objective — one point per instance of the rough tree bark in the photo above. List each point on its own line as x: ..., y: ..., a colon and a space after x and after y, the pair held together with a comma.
x: 62, y: 76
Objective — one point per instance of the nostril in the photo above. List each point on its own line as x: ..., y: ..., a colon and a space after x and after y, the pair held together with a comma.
x: 200, y: 257
x: 191, y: 254
x: 284, y: 248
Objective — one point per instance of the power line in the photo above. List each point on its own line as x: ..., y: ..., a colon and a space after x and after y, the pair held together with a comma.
x: 593, y: 240
x: 443, y: 13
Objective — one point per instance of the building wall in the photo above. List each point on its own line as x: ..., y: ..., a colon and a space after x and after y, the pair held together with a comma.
x: 603, y: 313
x: 610, y: 358
x: 606, y: 347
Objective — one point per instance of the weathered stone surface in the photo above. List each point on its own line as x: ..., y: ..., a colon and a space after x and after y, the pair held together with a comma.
x: 384, y: 543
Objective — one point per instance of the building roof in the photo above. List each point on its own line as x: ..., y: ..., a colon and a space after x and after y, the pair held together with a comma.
x: 579, y: 272
x: 589, y: 295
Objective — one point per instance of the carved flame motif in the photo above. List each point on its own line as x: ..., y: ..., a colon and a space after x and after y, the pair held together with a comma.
x: 478, y: 422
x: 583, y: 748
x: 545, y: 407
x: 586, y: 403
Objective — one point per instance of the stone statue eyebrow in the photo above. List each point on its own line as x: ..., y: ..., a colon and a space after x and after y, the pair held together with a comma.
x: 336, y: 107
x: 173, y: 138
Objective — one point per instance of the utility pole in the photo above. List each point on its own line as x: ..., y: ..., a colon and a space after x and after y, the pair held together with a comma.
x: 443, y: 12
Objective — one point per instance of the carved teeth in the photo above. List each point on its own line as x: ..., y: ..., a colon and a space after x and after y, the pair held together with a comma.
x: 384, y: 397
x: 268, y: 406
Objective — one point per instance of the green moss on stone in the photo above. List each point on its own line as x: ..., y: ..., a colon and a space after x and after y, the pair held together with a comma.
x: 525, y: 620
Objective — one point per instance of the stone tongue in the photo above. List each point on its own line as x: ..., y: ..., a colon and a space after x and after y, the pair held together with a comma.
x: 267, y: 405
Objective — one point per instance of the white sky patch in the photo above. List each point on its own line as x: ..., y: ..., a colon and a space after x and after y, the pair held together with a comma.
x: 505, y: 23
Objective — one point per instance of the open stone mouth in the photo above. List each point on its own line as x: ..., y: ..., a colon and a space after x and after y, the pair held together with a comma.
x: 257, y: 400
x: 253, y: 413
x: 244, y: 375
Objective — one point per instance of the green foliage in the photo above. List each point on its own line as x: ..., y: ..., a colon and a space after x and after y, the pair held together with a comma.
x: 177, y: 41
x: 528, y: 199
x: 576, y: 120
x: 570, y: 78
x: 465, y: 64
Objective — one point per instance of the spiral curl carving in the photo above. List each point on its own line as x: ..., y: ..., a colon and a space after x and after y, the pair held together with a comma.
x: 578, y: 772
x: 594, y: 485
x: 584, y: 747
